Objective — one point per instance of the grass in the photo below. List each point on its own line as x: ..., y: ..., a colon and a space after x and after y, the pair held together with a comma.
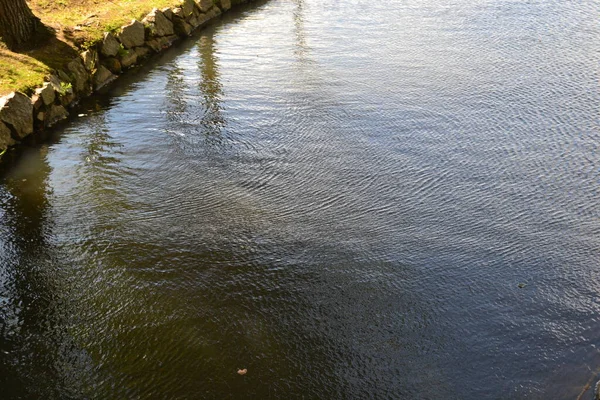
x: 20, y: 72
x: 76, y: 27
x: 76, y: 18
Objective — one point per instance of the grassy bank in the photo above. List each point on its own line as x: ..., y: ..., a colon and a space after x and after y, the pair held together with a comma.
x: 76, y: 24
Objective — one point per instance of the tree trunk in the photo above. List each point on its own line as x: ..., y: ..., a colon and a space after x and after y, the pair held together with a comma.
x: 17, y: 23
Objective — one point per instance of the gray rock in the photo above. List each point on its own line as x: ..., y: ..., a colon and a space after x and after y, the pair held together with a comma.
x: 40, y: 117
x: 102, y: 77
x: 178, y: 12
x: 64, y: 77
x: 169, y: 40
x: 6, y: 139
x: 90, y: 59
x: 128, y: 59
x: 193, y: 21
x: 154, y: 45
x: 67, y: 97
x: 204, y: 5
x: 55, y: 114
x: 181, y: 27
x: 132, y: 35
x: 64, y: 91
x: 204, y: 18
x: 36, y: 101
x: 141, y: 52
x: 224, y: 5
x: 187, y: 7
x: 112, y: 64
x: 54, y: 81
x: 161, y: 43
x: 168, y: 13
x: 46, y: 93
x: 197, y: 13
x: 80, y: 76
x: 158, y: 24
x: 110, y: 45
x: 16, y: 111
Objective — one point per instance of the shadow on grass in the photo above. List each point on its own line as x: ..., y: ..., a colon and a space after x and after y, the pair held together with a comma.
x: 50, y: 50
x: 25, y: 69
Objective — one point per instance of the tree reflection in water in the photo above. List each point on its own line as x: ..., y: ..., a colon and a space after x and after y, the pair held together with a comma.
x: 38, y: 356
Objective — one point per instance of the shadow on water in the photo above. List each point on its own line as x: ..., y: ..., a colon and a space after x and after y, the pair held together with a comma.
x: 39, y: 356
x: 265, y: 196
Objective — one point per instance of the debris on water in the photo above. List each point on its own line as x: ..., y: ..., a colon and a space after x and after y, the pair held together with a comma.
x: 82, y: 115
x: 242, y: 371
x: 521, y: 285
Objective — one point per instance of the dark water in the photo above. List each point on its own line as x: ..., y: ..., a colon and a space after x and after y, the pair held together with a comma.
x: 342, y: 197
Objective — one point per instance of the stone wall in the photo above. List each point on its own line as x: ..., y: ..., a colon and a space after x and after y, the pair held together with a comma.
x: 21, y: 115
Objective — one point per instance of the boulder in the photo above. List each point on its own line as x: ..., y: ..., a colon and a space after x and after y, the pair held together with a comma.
x: 161, y: 43
x: 167, y: 41
x: 141, y: 52
x: 102, y: 77
x: 80, y: 76
x: 90, y: 59
x: 16, y: 111
x: 67, y: 96
x: 110, y: 45
x: 204, y: 18
x: 46, y: 93
x: 204, y: 5
x: 187, y: 7
x: 224, y: 5
x: 158, y: 24
x: 128, y: 59
x: 132, y: 35
x: 64, y: 77
x: 178, y: 12
x: 6, y: 139
x: 54, y: 81
x: 55, y: 114
x: 36, y: 101
x: 181, y: 27
x: 112, y: 64
x: 168, y: 13
x: 154, y: 45
x: 193, y: 21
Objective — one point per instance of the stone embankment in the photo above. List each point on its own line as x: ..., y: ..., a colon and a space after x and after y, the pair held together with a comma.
x: 96, y: 67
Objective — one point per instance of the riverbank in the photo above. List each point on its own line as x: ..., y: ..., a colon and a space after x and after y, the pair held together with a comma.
x: 86, y: 52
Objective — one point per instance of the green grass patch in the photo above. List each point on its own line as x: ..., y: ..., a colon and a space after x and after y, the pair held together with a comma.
x: 19, y: 72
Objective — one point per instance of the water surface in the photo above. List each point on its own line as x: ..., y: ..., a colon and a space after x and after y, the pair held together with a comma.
x: 350, y: 199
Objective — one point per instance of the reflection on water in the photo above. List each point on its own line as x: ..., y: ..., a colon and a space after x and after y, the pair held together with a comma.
x: 399, y: 202
x: 39, y: 357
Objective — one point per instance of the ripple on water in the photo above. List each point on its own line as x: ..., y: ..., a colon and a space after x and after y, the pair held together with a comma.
x: 396, y: 203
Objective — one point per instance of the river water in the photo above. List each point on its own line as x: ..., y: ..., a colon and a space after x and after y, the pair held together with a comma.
x: 351, y: 200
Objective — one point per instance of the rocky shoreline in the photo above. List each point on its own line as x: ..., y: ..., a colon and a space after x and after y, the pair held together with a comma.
x: 96, y: 67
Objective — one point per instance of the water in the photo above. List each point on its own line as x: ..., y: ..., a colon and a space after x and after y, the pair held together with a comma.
x: 349, y: 199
